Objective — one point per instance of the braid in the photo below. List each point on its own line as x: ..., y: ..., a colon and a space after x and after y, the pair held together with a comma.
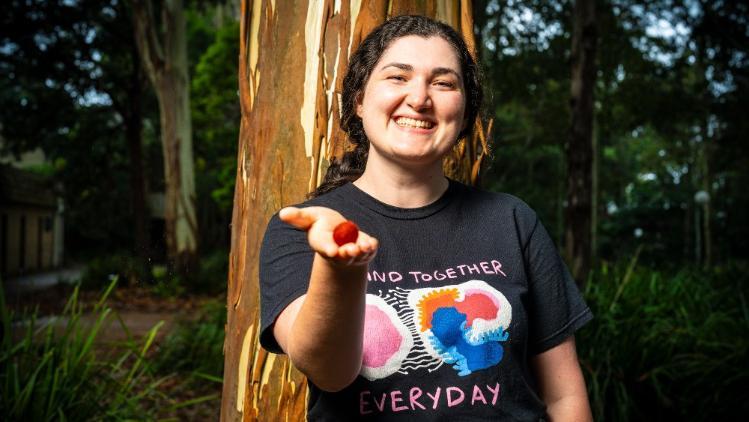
x: 348, y: 169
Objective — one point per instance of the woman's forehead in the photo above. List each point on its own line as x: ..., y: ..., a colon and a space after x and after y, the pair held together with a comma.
x: 419, y: 52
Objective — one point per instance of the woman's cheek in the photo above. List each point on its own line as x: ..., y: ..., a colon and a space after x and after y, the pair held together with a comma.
x: 458, y: 105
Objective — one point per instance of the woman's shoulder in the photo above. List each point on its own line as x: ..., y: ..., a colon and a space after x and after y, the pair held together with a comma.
x: 333, y: 199
x: 496, y: 200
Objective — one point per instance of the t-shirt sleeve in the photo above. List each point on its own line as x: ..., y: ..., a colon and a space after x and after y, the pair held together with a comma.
x: 556, y: 308
x: 285, y: 265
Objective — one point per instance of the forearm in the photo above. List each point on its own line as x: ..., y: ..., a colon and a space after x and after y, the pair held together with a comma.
x: 570, y: 408
x: 561, y: 383
x: 326, y: 337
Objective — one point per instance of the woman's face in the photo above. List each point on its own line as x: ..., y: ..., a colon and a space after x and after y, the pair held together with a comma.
x: 413, y: 107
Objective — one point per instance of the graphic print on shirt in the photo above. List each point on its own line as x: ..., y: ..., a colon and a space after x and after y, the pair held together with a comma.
x: 462, y: 325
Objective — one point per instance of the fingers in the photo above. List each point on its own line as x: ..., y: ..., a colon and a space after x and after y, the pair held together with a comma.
x: 328, y: 250
x: 361, y: 252
x: 367, y: 243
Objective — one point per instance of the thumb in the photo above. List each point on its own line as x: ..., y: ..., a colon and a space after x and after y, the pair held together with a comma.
x: 297, y: 217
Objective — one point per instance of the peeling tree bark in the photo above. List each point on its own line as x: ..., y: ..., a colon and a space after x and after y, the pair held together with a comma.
x: 164, y: 57
x: 579, y: 149
x: 289, y: 93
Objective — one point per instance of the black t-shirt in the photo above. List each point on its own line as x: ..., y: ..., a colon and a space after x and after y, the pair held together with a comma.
x: 461, y: 294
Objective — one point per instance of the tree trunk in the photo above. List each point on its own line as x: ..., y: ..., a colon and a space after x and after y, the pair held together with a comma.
x: 706, y: 186
x: 164, y: 57
x: 133, y: 120
x: 579, y: 149
x: 594, y: 197
x: 289, y: 93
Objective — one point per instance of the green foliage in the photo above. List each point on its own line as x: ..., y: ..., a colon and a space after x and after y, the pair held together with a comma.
x: 166, y: 284
x: 167, y: 287
x: 55, y: 374
x: 667, y: 345
x: 195, y: 347
x: 70, y: 83
x: 214, y: 272
x: 215, y: 116
x: 668, y: 118
x: 100, y: 270
x: 210, y: 279
x: 527, y: 86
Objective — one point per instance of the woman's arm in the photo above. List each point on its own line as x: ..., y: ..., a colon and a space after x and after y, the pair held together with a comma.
x: 322, y: 330
x: 561, y: 383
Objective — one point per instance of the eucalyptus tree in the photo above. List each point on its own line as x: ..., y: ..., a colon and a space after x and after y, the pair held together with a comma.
x: 162, y: 43
x: 292, y: 62
x: 579, y: 146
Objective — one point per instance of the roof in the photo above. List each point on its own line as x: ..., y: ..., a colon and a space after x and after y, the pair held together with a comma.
x: 24, y: 187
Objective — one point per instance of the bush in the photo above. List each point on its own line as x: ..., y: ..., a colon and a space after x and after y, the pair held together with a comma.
x: 666, y: 346
x: 209, y: 279
x: 166, y: 284
x: 214, y: 270
x: 195, y: 346
x: 51, y: 374
x: 100, y: 270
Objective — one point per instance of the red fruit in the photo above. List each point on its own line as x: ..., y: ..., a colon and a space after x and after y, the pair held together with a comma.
x: 346, y: 232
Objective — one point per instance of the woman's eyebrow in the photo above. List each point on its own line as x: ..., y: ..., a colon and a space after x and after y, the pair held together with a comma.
x: 444, y: 71
x: 435, y: 72
x: 401, y: 66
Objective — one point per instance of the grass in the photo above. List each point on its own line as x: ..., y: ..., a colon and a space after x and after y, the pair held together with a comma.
x: 52, y: 372
x: 195, y: 346
x: 667, y: 345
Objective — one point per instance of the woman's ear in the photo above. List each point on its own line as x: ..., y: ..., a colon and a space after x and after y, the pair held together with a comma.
x: 359, y: 106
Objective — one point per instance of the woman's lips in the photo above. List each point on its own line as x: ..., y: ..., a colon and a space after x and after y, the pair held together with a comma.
x: 408, y: 122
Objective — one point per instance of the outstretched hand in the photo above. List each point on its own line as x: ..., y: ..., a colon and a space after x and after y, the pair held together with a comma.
x: 319, y: 222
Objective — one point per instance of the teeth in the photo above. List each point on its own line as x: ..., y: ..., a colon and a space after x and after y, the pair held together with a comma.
x: 405, y: 121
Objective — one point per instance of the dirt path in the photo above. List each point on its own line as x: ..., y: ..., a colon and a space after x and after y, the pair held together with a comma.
x: 137, y: 307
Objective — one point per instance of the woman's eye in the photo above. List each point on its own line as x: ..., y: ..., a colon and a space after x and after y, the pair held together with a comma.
x: 445, y: 84
x: 399, y: 78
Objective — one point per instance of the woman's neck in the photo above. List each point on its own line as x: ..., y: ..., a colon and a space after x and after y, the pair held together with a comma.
x: 403, y: 189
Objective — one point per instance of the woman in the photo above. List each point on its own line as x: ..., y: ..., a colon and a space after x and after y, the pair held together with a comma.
x: 453, y: 303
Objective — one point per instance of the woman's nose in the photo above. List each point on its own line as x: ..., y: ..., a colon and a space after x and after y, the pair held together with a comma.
x: 418, y: 97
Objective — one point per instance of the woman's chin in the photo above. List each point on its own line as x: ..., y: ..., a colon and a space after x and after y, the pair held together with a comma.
x: 417, y: 158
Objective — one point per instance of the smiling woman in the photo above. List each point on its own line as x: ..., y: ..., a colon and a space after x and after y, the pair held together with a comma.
x: 475, y: 319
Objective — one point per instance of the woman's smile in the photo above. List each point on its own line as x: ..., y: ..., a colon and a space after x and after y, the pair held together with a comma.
x: 407, y: 122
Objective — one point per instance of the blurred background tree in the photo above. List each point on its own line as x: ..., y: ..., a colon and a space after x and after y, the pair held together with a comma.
x: 672, y: 79
x: 75, y: 89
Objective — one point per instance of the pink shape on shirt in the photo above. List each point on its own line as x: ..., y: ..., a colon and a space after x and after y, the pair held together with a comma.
x: 381, y: 338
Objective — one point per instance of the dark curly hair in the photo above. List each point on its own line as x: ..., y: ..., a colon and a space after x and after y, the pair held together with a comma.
x: 362, y: 63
